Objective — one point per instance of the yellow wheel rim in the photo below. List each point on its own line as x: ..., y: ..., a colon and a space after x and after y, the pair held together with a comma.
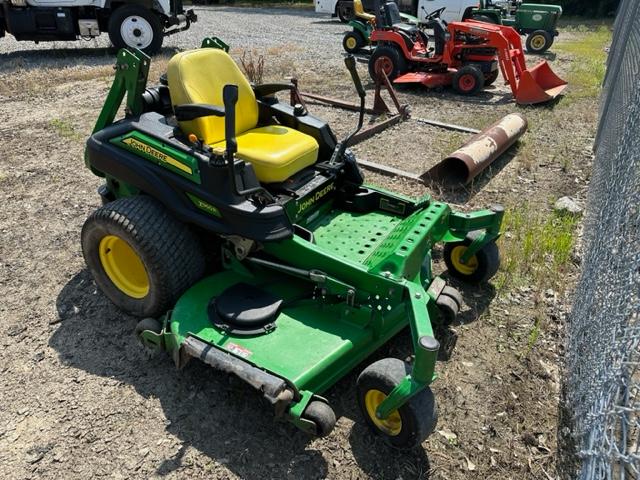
x: 351, y: 43
x: 464, y: 268
x: 123, y: 266
x: 538, y: 42
x: 392, y: 425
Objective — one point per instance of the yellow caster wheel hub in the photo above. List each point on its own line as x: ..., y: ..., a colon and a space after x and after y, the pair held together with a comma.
x: 392, y: 425
x: 465, y: 268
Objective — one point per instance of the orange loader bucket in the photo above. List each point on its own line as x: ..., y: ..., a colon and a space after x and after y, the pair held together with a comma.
x: 539, y: 84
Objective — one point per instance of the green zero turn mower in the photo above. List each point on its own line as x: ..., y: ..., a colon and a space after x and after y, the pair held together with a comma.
x: 308, y: 272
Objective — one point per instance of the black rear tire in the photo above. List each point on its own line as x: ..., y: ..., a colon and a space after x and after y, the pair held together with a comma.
x: 417, y: 418
x: 147, y: 35
x: 138, y: 230
x: 392, y: 61
x: 539, y: 41
x: 468, y: 80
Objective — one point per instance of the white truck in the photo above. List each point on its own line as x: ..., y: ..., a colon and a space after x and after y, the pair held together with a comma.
x: 455, y: 9
x: 141, y: 24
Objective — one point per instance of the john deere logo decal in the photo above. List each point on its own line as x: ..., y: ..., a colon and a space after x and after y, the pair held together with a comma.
x: 148, y: 150
x: 313, y: 198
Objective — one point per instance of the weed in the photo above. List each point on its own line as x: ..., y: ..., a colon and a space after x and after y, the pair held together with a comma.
x: 65, y: 129
x: 253, y: 66
x: 536, y: 248
x: 534, y: 333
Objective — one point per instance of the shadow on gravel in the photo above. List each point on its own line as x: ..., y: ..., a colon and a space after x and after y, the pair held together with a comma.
x: 224, y: 419
x: 219, y: 415
x: 63, y: 57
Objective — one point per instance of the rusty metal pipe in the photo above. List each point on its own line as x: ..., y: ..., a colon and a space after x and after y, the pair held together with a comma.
x: 478, y: 152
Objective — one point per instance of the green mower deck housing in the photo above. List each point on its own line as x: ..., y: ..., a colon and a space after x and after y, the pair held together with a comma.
x: 330, y: 269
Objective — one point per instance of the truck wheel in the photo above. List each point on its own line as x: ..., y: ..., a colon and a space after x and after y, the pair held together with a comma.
x: 344, y: 10
x: 468, y: 80
x: 410, y: 424
x: 389, y: 59
x: 141, y: 257
x: 352, y: 41
x: 539, y: 41
x: 133, y: 26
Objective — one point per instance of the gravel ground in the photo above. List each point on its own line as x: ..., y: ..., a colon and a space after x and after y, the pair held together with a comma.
x: 78, y: 399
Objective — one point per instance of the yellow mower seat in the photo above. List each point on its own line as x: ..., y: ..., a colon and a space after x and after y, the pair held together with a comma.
x: 358, y: 9
x: 275, y: 151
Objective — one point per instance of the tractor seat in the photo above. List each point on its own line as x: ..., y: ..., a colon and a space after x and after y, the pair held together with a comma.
x: 358, y: 9
x: 276, y: 152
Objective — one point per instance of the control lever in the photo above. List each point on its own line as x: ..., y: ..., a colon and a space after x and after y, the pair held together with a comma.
x: 338, y: 152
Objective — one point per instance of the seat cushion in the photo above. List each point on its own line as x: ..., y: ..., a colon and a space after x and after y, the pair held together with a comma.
x: 276, y: 152
x: 199, y: 76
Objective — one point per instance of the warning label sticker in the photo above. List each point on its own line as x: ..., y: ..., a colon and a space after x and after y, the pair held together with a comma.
x: 238, y: 350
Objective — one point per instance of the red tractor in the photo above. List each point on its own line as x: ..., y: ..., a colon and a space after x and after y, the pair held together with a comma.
x: 466, y: 55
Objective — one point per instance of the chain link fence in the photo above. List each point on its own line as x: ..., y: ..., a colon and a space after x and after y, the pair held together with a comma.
x: 602, y: 382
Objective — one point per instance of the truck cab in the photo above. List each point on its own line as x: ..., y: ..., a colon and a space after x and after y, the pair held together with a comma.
x: 134, y: 24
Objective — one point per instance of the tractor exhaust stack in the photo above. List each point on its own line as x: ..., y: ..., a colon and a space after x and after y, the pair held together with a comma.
x: 463, y: 165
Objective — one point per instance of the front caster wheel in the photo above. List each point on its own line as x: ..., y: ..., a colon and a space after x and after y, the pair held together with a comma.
x: 407, y: 426
x: 322, y: 415
x: 479, y: 268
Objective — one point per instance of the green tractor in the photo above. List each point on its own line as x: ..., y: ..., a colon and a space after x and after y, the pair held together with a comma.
x: 537, y: 21
x: 240, y: 230
x: 363, y: 24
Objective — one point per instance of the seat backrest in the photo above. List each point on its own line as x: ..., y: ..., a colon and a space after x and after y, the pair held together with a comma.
x: 392, y: 14
x: 358, y: 9
x: 198, y: 76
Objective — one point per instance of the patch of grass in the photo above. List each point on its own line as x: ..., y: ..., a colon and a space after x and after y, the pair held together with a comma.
x: 589, y: 59
x: 65, y: 129
x: 536, y: 248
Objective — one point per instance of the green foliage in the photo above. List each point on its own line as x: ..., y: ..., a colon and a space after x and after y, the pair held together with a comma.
x: 589, y: 8
x: 587, y: 71
x: 536, y: 247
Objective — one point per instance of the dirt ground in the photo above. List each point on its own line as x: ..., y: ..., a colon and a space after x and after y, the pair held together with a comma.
x: 78, y: 397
